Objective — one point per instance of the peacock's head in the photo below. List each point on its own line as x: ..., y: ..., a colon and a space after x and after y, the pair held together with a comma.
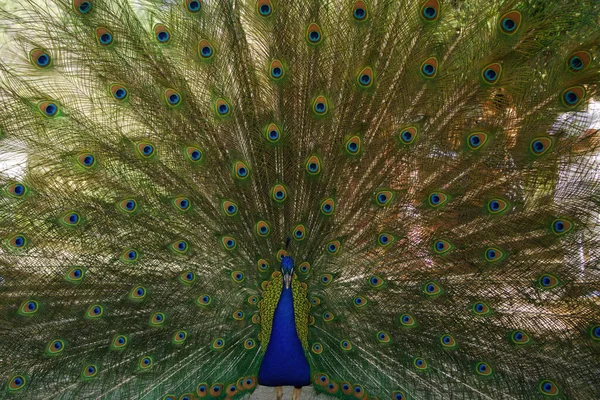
x: 287, y: 268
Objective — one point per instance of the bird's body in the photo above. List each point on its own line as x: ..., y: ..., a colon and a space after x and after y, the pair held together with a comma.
x: 382, y: 198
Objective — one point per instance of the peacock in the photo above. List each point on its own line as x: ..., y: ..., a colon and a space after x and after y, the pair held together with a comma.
x: 381, y: 199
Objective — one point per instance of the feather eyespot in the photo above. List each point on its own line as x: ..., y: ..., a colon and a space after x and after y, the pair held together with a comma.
x: 346, y: 388
x: 119, y: 92
x: 384, y: 197
x: 172, y: 97
x: 519, y: 337
x: 157, y: 319
x: 376, y: 281
x: 540, y: 145
x: 407, y: 135
x: 137, y: 293
x: 193, y: 6
x: 420, y: 363
x: 17, y: 382
x: 222, y: 107
x: 86, y: 160
x: 128, y: 205
x: 94, y: 311
x: 547, y: 281
x: 447, y: 341
x: 320, y: 106
x: 360, y: 11
x: 40, y: 58
x: 263, y: 265
x: 442, y: 246
x: 407, y: 320
x: 280, y: 254
x: 229, y: 243
x: 276, y: 70
x: 162, y: 34
x: 28, y: 308
x: 561, y: 226
x: 510, y: 22
x: 249, y: 344
x: 365, y: 77
x: 313, y: 165
x: 145, y: 149
x: 187, y: 278
x: 75, y: 275
x: 480, y: 309
x: 579, y: 61
x: 317, y: 348
x: 328, y: 316
x: 432, y: 289
x: 278, y: 193
x: 49, y: 109
x: 299, y: 232
x: 89, y: 371
x: 272, y: 133
x: 548, y: 388
x: 17, y: 242
x: 429, y: 68
x: 249, y: 382
x: 383, y: 337
x: 385, y: 239
x: 130, y: 256
x: 193, y: 154
x: 145, y: 362
x: 229, y: 208
x: 314, y: 34
x: 493, y: 254
x: 304, y: 267
x: 179, y: 337
x: 204, y: 300
x: 345, y: 345
x: 202, y: 390
x: 326, y: 279
x: 483, y: 369
x: 16, y: 190
x: 573, y: 96
x: 327, y: 206
x: 496, y: 206
x: 82, y: 6
x: 491, y: 73
x: 430, y: 10
x: 398, y: 396
x: 353, y: 145
x: 218, y: 343
x: 360, y: 301
x: 237, y: 276
x: 241, y: 170
x: 264, y: 8
x: 437, y: 199
x: 182, y: 203
x: 104, y: 36
x: 119, y: 342
x: 238, y: 315
x: 70, y: 219
x: 55, y: 347
x: 476, y: 140
x: 333, y: 247
x: 179, y: 247
x: 205, y: 50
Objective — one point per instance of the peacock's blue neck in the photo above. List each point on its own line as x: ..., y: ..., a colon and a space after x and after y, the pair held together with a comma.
x: 284, y: 363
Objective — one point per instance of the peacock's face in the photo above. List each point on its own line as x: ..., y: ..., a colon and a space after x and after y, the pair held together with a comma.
x: 287, y: 269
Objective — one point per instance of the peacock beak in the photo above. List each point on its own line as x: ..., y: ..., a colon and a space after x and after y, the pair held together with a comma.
x: 287, y: 279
